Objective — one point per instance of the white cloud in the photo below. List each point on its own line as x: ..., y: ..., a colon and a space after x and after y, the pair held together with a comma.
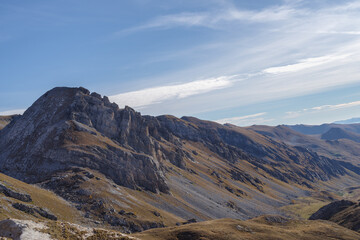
x: 167, y: 21
x: 306, y: 63
x: 12, y: 112
x: 159, y: 94
x: 350, y: 6
x: 340, y: 32
x: 322, y: 108
x: 215, y: 19
x: 246, y: 120
x: 334, y: 107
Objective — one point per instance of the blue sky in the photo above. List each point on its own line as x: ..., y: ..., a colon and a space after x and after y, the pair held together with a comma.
x: 243, y: 62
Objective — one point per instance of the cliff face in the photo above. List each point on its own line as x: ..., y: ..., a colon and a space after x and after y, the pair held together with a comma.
x: 70, y: 127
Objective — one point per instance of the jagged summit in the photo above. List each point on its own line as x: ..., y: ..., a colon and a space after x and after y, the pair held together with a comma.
x: 70, y: 127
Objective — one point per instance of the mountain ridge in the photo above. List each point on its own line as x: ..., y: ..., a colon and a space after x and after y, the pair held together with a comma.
x: 76, y: 143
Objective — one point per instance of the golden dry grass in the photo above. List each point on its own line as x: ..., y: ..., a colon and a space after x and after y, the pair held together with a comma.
x: 231, y: 229
x: 66, y: 231
x: 304, y: 207
x: 41, y: 198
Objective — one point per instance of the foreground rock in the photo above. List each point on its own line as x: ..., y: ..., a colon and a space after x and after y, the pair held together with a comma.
x: 30, y: 230
x: 23, y: 230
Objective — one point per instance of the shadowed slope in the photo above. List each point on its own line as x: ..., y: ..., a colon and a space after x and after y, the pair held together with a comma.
x: 345, y: 213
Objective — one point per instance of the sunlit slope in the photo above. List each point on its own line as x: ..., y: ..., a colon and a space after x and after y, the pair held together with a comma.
x: 41, y: 198
x: 266, y: 227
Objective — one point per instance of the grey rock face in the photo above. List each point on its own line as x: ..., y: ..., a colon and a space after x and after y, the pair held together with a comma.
x: 29, y: 209
x: 35, y: 146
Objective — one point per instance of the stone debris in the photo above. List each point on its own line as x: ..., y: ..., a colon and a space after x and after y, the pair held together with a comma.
x: 30, y: 230
x: 23, y: 230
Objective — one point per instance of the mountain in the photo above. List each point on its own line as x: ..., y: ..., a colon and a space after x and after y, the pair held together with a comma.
x: 265, y: 227
x: 323, y: 128
x: 342, y: 148
x: 68, y: 127
x: 121, y: 170
x: 339, y: 133
x: 348, y: 121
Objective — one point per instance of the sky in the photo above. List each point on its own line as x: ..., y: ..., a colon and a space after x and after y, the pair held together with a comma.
x: 243, y: 62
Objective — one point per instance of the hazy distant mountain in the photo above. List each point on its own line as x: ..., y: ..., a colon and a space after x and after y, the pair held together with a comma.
x: 336, y: 133
x: 323, y: 128
x: 348, y: 121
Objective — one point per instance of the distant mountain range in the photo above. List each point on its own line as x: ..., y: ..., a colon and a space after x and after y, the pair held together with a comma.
x: 348, y: 121
x: 117, y: 169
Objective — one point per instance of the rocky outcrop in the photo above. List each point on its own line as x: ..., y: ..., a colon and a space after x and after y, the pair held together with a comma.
x: 14, y: 194
x: 31, y: 230
x: 33, y: 210
x: 69, y: 186
x: 22, y: 230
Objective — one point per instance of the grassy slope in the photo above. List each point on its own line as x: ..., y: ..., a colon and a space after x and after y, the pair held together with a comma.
x: 187, y: 196
x: 143, y: 204
x: 260, y: 228
x: 41, y: 198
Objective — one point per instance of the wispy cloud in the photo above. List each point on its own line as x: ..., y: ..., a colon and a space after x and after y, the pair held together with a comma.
x: 306, y: 63
x: 340, y: 32
x: 12, y: 112
x: 246, y: 120
x: 215, y: 19
x: 159, y: 94
x: 322, y: 108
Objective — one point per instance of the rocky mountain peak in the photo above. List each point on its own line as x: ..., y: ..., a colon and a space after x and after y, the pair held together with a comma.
x: 69, y: 127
